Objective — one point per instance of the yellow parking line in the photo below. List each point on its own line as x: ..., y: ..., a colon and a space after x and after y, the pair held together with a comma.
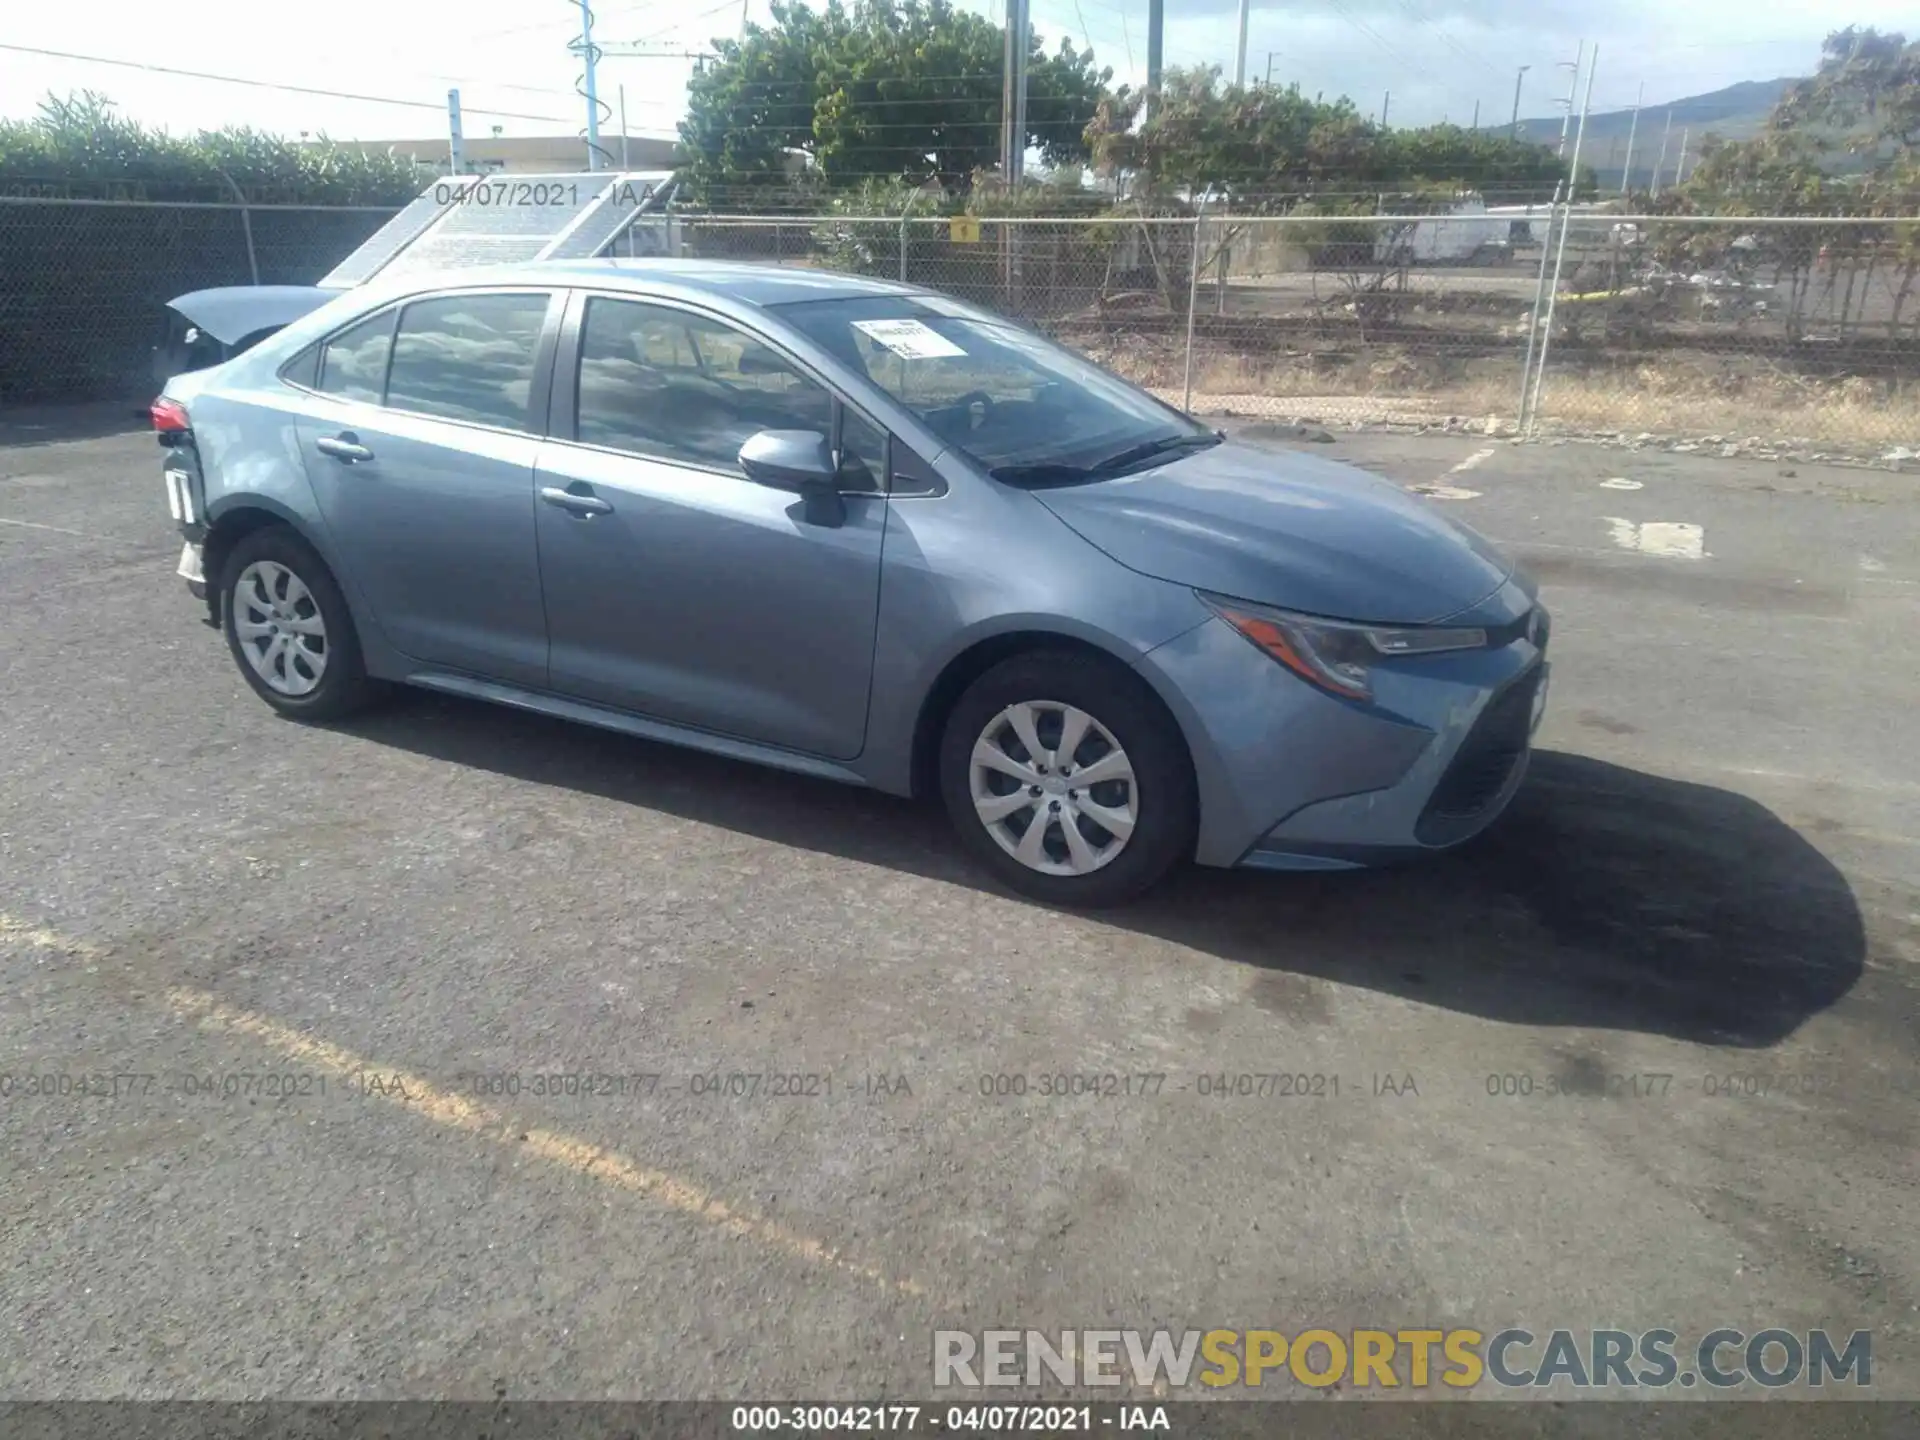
x: 456, y: 1112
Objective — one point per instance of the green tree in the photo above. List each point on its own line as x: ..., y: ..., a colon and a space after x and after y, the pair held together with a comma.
x: 1864, y: 102
x: 1844, y: 141
x: 1260, y: 143
x: 906, y: 90
x: 1867, y: 87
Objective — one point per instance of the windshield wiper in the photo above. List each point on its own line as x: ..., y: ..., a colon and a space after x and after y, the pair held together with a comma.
x: 1148, y: 449
x: 1041, y: 472
x: 1058, y: 472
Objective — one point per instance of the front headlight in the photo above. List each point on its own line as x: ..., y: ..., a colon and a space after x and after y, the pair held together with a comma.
x: 1336, y: 655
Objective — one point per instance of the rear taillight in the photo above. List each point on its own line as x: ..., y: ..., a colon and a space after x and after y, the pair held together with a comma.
x: 170, y: 424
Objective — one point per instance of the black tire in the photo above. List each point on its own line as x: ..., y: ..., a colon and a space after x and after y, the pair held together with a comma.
x: 1165, y: 802
x: 344, y: 686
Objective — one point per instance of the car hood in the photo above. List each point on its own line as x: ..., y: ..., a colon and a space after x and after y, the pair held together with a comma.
x: 1289, y: 530
x: 233, y: 312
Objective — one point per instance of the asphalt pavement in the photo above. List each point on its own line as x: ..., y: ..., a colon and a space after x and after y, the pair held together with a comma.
x: 328, y: 969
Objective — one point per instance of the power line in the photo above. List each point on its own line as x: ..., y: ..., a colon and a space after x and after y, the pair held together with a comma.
x: 548, y: 24
x: 677, y: 25
x: 437, y: 106
x: 1081, y: 16
x: 1420, y: 17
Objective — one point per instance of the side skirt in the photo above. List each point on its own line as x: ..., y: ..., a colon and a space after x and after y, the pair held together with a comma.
x: 607, y: 718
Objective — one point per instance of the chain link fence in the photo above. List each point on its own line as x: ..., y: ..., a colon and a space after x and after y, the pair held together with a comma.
x: 1748, y: 333
x: 1382, y: 319
x: 1343, y: 320
x: 83, y: 282
x: 1745, y: 332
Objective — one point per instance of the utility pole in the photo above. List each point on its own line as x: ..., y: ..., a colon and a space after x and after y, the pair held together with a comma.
x: 1020, y: 98
x: 1013, y: 103
x: 1386, y: 100
x: 1156, y: 35
x: 1476, y: 115
x: 1560, y: 254
x: 623, y: 129
x: 1516, y: 99
x: 456, y: 141
x: 1680, y: 169
x: 1270, y: 55
x: 1240, y: 54
x: 1661, y: 163
x: 589, y: 57
x: 1586, y: 107
x: 1633, y: 130
x: 1573, y: 89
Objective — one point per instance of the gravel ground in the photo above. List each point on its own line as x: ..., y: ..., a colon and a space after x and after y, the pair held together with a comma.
x: 1710, y: 876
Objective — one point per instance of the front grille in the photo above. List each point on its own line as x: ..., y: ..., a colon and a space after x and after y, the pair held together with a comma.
x: 1485, y: 761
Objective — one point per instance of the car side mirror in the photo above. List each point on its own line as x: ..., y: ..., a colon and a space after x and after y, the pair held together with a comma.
x: 800, y: 461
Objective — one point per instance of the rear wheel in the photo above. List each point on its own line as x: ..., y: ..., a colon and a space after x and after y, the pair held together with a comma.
x: 1065, y: 776
x: 288, y: 628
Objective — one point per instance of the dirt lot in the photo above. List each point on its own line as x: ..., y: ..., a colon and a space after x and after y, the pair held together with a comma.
x: 1710, y: 876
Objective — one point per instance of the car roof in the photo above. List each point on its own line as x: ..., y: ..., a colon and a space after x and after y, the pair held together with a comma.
x: 753, y: 284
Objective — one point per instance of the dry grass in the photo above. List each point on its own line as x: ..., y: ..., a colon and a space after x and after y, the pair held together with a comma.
x: 1728, y: 397
x: 1753, y: 401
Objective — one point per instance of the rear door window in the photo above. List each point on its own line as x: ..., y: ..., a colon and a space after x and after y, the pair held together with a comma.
x: 468, y: 357
x: 353, y: 364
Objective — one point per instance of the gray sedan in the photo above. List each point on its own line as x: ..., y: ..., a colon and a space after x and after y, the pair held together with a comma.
x: 865, y: 532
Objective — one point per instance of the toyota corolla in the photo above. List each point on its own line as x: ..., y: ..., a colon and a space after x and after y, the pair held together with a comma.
x: 865, y: 532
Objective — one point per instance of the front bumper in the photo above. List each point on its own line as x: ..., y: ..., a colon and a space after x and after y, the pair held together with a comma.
x: 1460, y: 785
x: 1292, y: 778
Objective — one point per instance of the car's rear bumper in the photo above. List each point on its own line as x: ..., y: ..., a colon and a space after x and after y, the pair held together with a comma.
x: 192, y: 569
x: 1292, y: 778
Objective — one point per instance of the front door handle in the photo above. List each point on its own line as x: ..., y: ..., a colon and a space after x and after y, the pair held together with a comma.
x: 581, y: 505
x: 345, y: 447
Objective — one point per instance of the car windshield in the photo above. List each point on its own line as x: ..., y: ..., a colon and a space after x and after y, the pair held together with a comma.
x: 1029, y: 411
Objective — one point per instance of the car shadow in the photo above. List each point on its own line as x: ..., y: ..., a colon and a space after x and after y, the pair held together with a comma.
x: 1605, y: 898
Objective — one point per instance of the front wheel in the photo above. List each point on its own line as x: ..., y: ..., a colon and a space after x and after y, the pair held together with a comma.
x: 1067, y: 778
x: 288, y: 628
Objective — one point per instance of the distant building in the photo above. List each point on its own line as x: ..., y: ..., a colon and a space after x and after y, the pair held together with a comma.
x: 529, y: 154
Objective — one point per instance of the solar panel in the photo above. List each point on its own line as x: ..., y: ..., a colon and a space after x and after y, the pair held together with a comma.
x: 390, y: 239
x: 502, y: 219
x: 496, y: 222
x: 597, y: 229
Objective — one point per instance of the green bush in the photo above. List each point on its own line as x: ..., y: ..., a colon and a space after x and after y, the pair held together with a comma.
x: 78, y: 147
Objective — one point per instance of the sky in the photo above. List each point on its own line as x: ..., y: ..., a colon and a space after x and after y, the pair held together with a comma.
x: 1436, y: 58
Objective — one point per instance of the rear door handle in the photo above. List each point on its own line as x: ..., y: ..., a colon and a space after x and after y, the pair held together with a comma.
x: 345, y: 447
x: 581, y: 505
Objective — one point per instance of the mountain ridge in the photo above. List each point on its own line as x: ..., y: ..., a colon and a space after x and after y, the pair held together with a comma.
x: 1733, y: 112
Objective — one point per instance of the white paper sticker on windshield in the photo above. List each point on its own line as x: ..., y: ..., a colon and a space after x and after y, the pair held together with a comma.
x: 909, y: 339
